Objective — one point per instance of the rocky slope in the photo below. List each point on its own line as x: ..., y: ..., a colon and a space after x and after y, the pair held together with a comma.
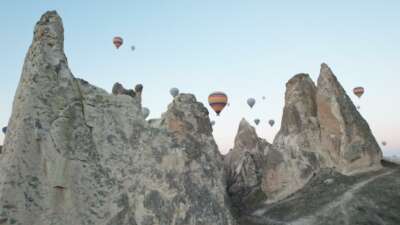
x: 75, y: 154
x: 331, y: 198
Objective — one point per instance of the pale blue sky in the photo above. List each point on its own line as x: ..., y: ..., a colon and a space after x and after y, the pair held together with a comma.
x: 244, y: 48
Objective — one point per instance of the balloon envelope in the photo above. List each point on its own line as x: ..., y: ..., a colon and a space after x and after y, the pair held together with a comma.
x: 133, y: 48
x: 146, y: 112
x: 212, y: 122
x: 358, y: 91
x: 118, y: 41
x: 257, y: 121
x: 263, y: 97
x: 271, y: 122
x: 251, y: 102
x: 174, y: 92
x: 217, y: 101
x: 384, y: 143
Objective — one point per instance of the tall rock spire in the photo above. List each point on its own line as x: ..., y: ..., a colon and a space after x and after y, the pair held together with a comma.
x: 75, y: 154
x: 347, y: 141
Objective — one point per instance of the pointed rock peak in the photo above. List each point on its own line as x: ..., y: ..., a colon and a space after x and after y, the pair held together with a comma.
x: 49, y: 29
x: 246, y: 137
x: 326, y: 76
x: 299, y: 86
x: 299, y: 78
x: 340, y: 122
x: 244, y: 124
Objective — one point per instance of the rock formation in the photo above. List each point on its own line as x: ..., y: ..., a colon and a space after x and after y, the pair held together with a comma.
x: 346, y: 139
x: 75, y: 154
x: 244, y: 165
x: 321, y: 128
x: 295, y: 161
x: 118, y: 89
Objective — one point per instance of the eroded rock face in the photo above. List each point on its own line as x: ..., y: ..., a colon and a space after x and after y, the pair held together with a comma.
x: 244, y: 166
x: 346, y: 139
x: 295, y: 158
x: 321, y: 128
x: 75, y: 154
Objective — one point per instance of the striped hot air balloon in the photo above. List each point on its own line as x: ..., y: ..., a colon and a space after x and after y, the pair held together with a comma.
x: 118, y: 41
x: 217, y: 101
x: 358, y: 91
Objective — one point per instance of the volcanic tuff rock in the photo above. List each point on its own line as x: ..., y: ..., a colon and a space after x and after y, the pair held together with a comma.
x: 346, y: 140
x: 244, y: 166
x: 295, y: 160
x: 75, y: 154
x: 321, y: 128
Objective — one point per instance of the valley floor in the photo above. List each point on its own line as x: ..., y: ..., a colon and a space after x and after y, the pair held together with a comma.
x: 333, y: 199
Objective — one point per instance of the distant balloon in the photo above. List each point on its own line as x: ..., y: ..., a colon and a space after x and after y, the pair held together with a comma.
x: 118, y: 41
x: 358, y: 91
x: 263, y: 97
x: 358, y: 107
x: 133, y: 48
x: 4, y: 130
x: 251, y: 102
x: 256, y: 121
x: 217, y: 101
x: 212, y: 122
x: 146, y: 112
x: 174, y: 92
x: 271, y: 122
x: 384, y: 143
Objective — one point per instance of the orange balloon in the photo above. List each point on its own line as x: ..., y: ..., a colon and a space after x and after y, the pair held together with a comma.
x: 217, y: 101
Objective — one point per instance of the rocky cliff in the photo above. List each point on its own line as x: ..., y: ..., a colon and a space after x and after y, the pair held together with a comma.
x: 75, y: 154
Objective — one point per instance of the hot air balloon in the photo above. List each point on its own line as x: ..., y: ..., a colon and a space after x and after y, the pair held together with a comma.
x: 263, y: 97
x: 212, y: 122
x: 217, y: 101
x: 251, y: 102
x: 256, y: 121
x: 271, y: 122
x: 4, y: 130
x: 384, y: 143
x: 174, y: 92
x: 358, y: 107
x: 358, y: 91
x: 118, y: 41
x: 145, y: 112
x: 133, y: 48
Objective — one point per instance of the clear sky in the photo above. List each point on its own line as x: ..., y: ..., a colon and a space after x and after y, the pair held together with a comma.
x: 244, y: 48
